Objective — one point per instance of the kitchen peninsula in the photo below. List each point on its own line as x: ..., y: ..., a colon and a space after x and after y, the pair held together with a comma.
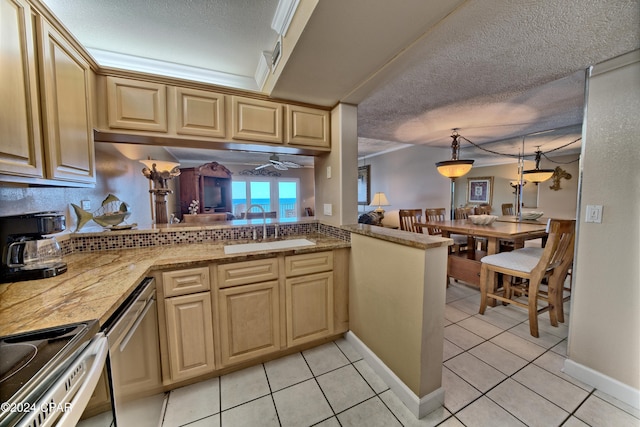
x: 396, y: 310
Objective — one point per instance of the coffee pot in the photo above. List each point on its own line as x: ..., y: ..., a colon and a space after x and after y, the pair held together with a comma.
x: 27, y: 252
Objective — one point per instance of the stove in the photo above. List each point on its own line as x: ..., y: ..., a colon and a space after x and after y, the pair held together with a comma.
x: 29, y: 361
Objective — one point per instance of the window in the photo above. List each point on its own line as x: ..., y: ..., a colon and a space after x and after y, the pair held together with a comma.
x: 281, y: 195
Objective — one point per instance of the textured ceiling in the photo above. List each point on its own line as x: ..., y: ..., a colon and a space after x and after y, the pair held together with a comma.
x: 495, y: 69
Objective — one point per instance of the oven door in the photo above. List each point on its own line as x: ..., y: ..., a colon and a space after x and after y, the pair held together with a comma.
x: 68, y: 390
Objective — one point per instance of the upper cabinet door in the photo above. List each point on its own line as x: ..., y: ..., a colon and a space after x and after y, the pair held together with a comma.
x: 21, y: 147
x: 136, y: 105
x: 307, y: 126
x: 66, y: 105
x: 200, y: 113
x: 256, y: 120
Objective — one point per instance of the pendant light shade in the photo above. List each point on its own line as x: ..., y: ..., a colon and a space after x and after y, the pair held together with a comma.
x: 455, y: 167
x: 538, y: 175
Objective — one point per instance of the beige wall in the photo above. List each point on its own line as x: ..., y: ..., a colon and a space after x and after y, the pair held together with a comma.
x: 409, y: 178
x: 604, y: 329
x: 556, y: 204
x: 339, y: 188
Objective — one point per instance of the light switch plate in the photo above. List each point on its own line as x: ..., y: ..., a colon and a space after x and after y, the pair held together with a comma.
x: 594, y: 214
x: 328, y: 209
x: 328, y: 172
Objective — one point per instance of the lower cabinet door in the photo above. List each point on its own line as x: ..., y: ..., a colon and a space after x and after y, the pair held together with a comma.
x: 309, y: 307
x: 249, y: 321
x: 189, y: 335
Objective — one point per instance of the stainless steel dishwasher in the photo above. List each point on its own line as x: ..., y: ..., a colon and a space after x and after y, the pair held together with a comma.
x: 134, y: 360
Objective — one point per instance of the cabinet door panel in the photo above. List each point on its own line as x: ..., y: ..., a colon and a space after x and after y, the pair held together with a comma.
x: 21, y: 148
x: 136, y: 105
x: 182, y: 282
x: 316, y: 262
x: 256, y: 120
x: 242, y: 273
x: 307, y: 126
x: 67, y: 109
x: 249, y: 321
x: 200, y: 113
x: 189, y: 335
x: 309, y: 307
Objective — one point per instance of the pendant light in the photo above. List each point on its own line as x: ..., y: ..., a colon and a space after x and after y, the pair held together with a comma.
x: 538, y: 175
x: 454, y: 168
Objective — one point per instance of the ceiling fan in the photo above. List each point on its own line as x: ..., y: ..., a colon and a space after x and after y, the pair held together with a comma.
x: 283, y: 165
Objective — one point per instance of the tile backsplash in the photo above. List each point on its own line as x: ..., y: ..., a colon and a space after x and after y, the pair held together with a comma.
x: 87, y: 242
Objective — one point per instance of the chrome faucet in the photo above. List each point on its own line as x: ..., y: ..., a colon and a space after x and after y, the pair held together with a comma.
x: 264, y: 221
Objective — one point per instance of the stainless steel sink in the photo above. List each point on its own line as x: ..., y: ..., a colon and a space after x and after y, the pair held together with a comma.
x: 266, y: 246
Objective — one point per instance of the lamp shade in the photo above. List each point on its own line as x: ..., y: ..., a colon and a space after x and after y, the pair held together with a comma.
x: 161, y: 165
x: 379, y: 200
x: 454, y: 168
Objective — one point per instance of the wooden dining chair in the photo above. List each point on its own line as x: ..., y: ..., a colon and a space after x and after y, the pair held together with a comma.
x: 532, y: 265
x: 460, y: 241
x: 409, y: 218
x: 463, y: 213
x: 507, y: 209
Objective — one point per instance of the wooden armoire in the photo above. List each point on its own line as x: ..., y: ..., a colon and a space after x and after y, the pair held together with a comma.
x: 209, y: 184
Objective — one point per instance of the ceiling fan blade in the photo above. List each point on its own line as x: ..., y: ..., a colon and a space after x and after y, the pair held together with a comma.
x: 280, y: 166
x: 291, y: 164
x: 263, y: 166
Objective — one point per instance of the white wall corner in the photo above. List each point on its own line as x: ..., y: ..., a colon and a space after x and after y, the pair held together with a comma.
x: 419, y: 407
x: 602, y: 382
x: 283, y: 16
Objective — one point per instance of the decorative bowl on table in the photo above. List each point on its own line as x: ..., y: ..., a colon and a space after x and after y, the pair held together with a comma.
x: 482, y: 219
x: 531, y: 215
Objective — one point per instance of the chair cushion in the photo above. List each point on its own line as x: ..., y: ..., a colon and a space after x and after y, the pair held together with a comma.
x: 524, y: 259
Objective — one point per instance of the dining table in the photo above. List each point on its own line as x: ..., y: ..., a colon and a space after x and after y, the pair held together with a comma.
x: 465, y: 265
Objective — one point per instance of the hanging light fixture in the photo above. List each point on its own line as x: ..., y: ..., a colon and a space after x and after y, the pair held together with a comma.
x: 538, y: 175
x: 454, y: 168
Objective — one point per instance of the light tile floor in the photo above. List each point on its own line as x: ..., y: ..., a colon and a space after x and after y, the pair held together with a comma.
x: 494, y: 374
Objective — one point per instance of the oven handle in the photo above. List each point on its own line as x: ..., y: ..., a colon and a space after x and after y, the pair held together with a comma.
x: 135, y: 326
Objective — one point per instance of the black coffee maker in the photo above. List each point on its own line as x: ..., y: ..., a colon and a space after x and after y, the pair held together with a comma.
x: 26, y: 253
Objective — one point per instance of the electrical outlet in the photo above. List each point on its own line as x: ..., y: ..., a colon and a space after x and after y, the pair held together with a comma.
x: 85, y: 204
x: 594, y: 214
x: 328, y: 209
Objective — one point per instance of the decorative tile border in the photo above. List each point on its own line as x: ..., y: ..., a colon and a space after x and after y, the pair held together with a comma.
x: 164, y: 237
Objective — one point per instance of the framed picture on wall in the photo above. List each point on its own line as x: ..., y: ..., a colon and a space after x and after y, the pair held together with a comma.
x: 480, y: 190
x: 364, y: 185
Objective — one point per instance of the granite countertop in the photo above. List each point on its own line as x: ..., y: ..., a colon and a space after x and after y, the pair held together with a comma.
x: 406, y: 238
x: 96, y: 283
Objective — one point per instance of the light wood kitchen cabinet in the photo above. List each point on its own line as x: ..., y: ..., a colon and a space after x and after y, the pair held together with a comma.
x: 309, y: 307
x: 256, y: 120
x: 45, y: 102
x: 186, y: 324
x: 21, y: 148
x: 136, y: 105
x: 67, y: 108
x: 307, y: 126
x: 200, y: 113
x: 249, y: 321
x: 309, y: 297
x: 189, y: 335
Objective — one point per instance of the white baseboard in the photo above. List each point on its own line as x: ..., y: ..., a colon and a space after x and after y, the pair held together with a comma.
x: 612, y: 387
x: 418, y: 406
